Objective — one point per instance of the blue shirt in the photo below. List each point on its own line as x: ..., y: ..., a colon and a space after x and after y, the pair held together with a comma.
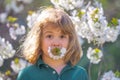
x: 41, y: 71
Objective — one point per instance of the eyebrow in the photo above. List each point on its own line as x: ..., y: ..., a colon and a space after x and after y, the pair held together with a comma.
x: 47, y: 32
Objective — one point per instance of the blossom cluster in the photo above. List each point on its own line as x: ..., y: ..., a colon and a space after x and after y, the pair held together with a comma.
x: 12, y: 5
x: 15, y: 29
x: 90, y: 21
x: 6, y: 50
x: 31, y: 18
x: 11, y: 8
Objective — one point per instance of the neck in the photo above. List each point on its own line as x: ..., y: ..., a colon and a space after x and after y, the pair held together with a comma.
x: 58, y: 65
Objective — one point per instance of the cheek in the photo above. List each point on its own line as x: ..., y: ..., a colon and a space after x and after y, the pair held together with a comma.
x: 65, y: 43
x: 45, y: 45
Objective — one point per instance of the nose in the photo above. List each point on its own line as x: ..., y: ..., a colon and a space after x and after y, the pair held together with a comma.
x: 56, y: 42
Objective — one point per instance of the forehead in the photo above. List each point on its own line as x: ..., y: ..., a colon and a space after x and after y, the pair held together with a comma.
x: 52, y: 27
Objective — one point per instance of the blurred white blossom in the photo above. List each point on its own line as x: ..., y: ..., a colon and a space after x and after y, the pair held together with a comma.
x: 31, y: 18
x: 68, y: 4
x: 94, y: 55
x: 118, y: 27
x: 110, y: 75
x: 12, y: 5
x: 6, y: 49
x: 3, y: 17
x: 111, y: 34
x: 1, y: 61
x: 4, y: 76
x: 16, y: 30
x: 90, y: 21
x: 1, y: 76
x: 18, y: 64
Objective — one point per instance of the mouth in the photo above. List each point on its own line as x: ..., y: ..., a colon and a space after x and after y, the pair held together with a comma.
x: 56, y: 53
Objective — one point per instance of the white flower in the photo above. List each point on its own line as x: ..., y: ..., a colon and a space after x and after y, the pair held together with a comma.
x: 1, y: 78
x: 31, y: 19
x: 111, y: 34
x: 77, y: 3
x: 94, y: 55
x: 118, y: 27
x: 109, y: 76
x: 6, y: 49
x: 13, y: 6
x: 56, y: 57
x: 17, y: 30
x: 3, y: 17
x: 18, y: 64
x: 63, y: 3
x: 1, y: 61
x: 115, y: 78
x: 4, y: 77
x: 68, y: 4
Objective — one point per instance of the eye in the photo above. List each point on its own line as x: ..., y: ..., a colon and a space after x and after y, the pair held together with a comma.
x: 63, y: 36
x: 49, y: 36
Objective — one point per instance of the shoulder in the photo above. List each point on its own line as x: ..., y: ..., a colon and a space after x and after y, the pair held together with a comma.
x: 79, y: 68
x: 81, y: 72
x: 25, y: 72
x: 29, y: 69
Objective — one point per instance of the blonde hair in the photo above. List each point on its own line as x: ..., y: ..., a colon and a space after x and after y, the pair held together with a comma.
x: 32, y: 44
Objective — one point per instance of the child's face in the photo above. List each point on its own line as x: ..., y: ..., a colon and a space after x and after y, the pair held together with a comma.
x: 53, y: 37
